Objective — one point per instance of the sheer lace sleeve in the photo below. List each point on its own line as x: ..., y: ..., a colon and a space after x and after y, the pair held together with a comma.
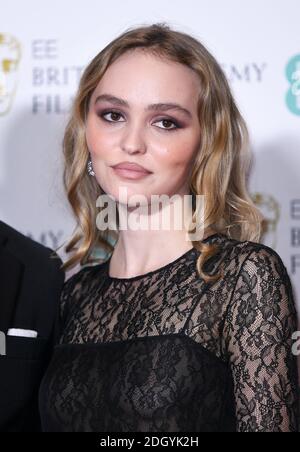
x: 260, y: 321
x: 71, y: 291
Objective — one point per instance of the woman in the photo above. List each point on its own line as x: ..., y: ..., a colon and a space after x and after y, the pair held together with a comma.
x: 167, y: 334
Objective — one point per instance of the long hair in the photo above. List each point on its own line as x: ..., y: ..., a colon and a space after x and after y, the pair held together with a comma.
x: 220, y: 167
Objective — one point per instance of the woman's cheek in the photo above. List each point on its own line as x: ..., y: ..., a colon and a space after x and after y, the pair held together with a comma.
x: 176, y: 158
x: 97, y: 144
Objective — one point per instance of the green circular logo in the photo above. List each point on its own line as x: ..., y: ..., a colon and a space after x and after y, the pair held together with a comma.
x: 293, y: 93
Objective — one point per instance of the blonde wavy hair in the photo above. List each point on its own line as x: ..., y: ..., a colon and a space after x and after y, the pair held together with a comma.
x: 221, y: 165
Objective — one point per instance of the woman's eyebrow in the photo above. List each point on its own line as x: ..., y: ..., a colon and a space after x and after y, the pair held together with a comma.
x: 164, y: 106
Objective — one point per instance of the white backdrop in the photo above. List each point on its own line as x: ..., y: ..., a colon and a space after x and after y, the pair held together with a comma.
x: 44, y: 46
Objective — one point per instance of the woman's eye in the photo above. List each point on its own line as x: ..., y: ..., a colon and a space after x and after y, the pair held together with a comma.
x: 169, y: 121
x: 115, y: 115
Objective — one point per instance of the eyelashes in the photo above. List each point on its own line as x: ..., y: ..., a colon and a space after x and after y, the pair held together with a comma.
x: 106, y: 112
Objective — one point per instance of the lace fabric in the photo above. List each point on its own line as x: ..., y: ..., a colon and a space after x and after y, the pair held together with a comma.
x: 166, y: 352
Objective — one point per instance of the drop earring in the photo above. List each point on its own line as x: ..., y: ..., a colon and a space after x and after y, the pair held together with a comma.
x: 90, y: 168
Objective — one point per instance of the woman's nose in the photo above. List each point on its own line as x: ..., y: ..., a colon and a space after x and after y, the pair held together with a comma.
x: 133, y: 140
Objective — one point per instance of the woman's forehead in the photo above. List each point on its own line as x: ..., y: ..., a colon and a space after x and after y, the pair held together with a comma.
x: 140, y: 80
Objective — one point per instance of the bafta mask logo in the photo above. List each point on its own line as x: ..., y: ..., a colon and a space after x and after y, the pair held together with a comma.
x: 270, y: 208
x: 10, y: 56
x: 293, y: 76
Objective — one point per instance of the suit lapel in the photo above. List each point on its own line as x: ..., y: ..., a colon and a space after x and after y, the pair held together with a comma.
x: 11, y: 270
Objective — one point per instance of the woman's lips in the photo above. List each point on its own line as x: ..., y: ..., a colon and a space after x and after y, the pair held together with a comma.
x: 130, y: 174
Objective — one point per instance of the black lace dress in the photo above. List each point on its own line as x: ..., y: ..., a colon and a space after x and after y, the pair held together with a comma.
x: 165, y: 352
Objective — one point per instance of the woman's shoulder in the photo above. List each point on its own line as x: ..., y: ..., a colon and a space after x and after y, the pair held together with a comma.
x: 80, y: 282
x: 82, y: 275
x: 78, y: 286
x: 256, y: 254
x: 260, y: 270
x: 259, y: 283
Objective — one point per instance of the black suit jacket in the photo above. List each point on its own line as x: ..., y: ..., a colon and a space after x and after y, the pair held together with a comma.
x: 30, y: 287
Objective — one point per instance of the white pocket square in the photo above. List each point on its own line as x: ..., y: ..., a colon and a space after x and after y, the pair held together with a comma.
x: 21, y: 333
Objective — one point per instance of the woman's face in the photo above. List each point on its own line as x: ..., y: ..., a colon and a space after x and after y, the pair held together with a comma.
x: 164, y: 141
